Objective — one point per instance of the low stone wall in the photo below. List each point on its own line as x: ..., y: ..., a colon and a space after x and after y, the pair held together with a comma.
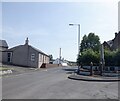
x: 47, y: 65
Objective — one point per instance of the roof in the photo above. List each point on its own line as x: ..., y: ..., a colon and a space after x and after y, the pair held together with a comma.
x: 3, y: 43
x: 110, y: 43
x: 38, y: 50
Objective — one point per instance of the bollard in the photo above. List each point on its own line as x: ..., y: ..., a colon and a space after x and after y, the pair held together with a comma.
x: 78, y: 71
x: 101, y: 69
x: 91, y: 71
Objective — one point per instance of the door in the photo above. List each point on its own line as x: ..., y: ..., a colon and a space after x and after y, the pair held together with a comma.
x: 9, y: 58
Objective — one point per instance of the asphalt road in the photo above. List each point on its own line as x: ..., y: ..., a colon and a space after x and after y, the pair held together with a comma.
x: 53, y: 84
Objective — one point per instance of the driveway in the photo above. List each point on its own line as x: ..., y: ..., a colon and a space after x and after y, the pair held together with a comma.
x: 53, y: 83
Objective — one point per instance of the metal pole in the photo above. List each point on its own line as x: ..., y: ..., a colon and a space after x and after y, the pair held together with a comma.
x: 78, y: 46
x: 78, y: 39
x: 60, y: 57
x: 78, y: 42
x: 102, y: 61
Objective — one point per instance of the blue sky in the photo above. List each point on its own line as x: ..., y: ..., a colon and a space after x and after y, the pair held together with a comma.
x: 46, y: 24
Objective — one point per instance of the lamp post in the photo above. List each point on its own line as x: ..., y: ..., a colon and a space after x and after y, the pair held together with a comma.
x: 78, y: 39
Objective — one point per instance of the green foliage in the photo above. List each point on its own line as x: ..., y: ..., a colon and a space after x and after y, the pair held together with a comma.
x: 90, y: 47
x: 89, y: 50
x: 112, y: 58
x: 91, y: 41
x: 109, y: 57
x: 51, y: 57
x: 117, y: 58
x: 88, y: 56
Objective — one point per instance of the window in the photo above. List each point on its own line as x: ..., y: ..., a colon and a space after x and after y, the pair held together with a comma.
x: 32, y: 57
x: 40, y: 57
x: 45, y: 59
x: 9, y: 55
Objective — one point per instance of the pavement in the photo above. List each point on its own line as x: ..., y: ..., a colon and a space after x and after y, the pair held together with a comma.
x: 94, y: 78
x: 15, y: 70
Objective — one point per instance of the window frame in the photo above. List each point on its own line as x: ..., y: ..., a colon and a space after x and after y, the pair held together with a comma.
x: 32, y: 57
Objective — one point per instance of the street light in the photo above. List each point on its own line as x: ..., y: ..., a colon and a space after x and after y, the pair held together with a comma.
x: 78, y: 36
x: 78, y: 40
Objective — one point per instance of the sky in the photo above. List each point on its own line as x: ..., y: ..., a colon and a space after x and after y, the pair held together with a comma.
x: 46, y: 24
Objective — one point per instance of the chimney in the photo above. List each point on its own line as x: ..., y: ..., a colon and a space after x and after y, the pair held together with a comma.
x: 116, y: 34
x: 26, y: 41
x: 119, y: 32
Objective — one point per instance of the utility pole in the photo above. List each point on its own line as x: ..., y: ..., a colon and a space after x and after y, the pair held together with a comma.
x: 102, y: 60
x: 60, y: 56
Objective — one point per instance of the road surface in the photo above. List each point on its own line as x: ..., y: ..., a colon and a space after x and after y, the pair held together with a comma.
x: 53, y: 83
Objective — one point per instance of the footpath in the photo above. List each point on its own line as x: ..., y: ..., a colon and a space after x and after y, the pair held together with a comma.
x: 6, y: 70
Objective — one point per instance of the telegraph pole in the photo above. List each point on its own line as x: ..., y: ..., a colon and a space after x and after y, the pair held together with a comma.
x: 102, y: 60
x: 60, y: 56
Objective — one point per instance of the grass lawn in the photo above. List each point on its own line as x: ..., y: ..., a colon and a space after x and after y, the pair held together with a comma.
x: 4, y: 68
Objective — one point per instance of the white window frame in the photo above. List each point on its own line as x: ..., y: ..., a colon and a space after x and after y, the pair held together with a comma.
x: 32, y: 57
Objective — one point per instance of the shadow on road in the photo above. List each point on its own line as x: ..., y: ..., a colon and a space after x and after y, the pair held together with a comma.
x: 70, y: 70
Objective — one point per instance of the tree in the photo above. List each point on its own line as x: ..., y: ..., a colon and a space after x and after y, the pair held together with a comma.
x: 51, y: 59
x: 112, y: 58
x: 109, y: 57
x: 88, y: 56
x: 91, y: 41
x: 89, y: 49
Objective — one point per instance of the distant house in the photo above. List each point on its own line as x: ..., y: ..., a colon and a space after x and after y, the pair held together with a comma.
x: 61, y: 62
x: 25, y: 55
x: 114, y: 43
x: 108, y: 45
x: 3, y: 47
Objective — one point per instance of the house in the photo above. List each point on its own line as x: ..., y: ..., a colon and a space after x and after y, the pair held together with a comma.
x: 25, y: 55
x: 108, y: 45
x: 3, y: 47
x: 113, y: 44
x: 62, y: 62
x: 116, y: 41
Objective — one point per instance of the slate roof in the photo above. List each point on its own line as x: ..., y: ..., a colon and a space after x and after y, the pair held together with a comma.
x: 110, y: 43
x: 38, y: 50
x: 14, y: 48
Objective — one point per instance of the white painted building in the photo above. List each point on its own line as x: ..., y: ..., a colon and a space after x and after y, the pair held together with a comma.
x: 62, y: 62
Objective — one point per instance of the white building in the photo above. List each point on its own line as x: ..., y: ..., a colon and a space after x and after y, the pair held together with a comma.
x: 62, y: 62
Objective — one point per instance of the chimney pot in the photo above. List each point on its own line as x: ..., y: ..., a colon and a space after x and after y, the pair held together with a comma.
x: 116, y: 34
x: 26, y: 41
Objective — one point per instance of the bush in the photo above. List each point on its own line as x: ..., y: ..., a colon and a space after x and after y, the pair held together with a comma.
x: 112, y: 58
x: 88, y: 56
x: 109, y: 58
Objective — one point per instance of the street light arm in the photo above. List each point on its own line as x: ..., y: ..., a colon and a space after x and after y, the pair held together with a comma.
x: 71, y: 24
x: 74, y: 24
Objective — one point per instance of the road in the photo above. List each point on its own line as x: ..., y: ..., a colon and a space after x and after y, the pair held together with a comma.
x: 53, y: 83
